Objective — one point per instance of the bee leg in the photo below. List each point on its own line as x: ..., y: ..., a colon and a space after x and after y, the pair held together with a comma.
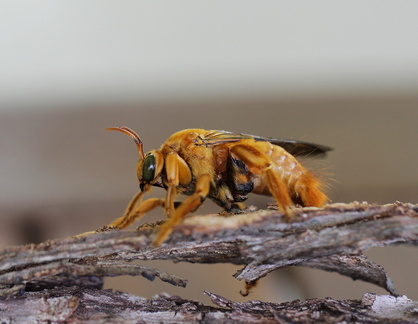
x: 120, y: 222
x: 137, y: 213
x: 190, y: 204
x: 258, y: 163
x: 279, y: 191
x: 172, y: 170
x: 237, y: 208
x: 177, y: 173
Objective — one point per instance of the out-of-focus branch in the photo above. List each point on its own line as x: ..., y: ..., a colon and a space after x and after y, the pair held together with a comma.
x: 86, y: 305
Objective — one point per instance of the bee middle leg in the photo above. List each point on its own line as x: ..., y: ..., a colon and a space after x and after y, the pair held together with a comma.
x: 190, y: 204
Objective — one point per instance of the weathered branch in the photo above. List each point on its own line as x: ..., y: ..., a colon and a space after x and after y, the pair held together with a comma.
x: 85, y: 305
x: 332, y: 239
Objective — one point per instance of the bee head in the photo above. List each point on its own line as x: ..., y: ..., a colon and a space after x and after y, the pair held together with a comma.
x: 149, y: 166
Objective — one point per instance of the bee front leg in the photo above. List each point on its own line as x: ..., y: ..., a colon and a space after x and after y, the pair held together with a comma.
x: 137, y: 213
x: 129, y: 216
x: 190, y: 204
x: 133, y: 212
x: 259, y: 163
x: 178, y: 173
x: 172, y: 169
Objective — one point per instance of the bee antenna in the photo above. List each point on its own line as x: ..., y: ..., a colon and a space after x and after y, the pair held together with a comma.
x: 133, y: 135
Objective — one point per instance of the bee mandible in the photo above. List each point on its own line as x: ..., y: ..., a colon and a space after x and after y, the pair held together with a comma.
x: 224, y: 167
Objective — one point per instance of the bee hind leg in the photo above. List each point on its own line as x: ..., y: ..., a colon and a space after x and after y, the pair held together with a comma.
x: 190, y: 204
x: 259, y: 163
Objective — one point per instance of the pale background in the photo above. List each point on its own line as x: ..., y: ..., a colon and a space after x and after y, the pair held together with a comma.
x: 343, y: 74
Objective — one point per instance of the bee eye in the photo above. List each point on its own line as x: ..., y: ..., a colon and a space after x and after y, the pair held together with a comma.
x: 148, y: 168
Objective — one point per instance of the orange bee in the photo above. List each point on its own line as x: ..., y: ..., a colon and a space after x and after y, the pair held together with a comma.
x: 223, y: 166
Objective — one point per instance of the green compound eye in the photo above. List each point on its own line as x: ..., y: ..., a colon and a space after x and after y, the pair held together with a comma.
x: 148, y: 169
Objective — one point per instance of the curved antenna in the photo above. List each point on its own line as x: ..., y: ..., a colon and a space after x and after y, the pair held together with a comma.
x: 131, y: 134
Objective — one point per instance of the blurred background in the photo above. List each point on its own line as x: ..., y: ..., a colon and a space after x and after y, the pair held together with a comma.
x: 343, y: 74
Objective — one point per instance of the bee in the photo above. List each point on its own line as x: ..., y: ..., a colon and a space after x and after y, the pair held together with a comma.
x: 224, y: 167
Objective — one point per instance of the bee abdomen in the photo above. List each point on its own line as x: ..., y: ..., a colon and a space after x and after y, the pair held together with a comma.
x: 309, y: 190
x: 302, y: 186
